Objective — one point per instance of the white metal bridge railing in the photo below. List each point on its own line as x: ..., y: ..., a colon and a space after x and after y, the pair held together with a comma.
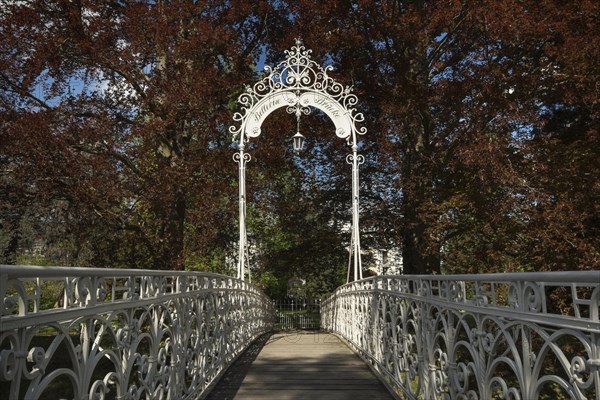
x: 520, y: 336
x: 86, y: 333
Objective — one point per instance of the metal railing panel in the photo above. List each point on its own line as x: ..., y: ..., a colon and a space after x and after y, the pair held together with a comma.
x: 88, y: 333
x: 506, y: 336
x: 295, y: 313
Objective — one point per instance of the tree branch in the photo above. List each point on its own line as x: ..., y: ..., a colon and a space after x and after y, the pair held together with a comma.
x: 434, y: 56
x: 23, y: 92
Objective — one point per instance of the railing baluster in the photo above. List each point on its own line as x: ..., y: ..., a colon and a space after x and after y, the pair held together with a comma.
x: 152, y: 334
x: 519, y: 336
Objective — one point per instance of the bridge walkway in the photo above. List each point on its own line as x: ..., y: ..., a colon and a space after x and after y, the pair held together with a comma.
x: 299, y: 365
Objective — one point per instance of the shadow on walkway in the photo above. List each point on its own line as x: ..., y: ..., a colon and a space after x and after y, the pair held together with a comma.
x: 299, y: 365
x: 232, y: 380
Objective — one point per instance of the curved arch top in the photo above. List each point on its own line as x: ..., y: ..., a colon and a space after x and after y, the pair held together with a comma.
x: 251, y: 127
x: 298, y: 83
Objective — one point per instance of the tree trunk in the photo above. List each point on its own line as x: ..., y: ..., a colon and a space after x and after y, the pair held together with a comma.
x: 171, y: 254
x: 419, y: 251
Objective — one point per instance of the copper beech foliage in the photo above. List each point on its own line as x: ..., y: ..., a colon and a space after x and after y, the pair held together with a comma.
x: 116, y: 113
x: 488, y: 112
x: 482, y: 152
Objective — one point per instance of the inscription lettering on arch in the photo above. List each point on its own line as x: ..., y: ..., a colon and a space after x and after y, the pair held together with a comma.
x: 261, y: 110
x: 329, y: 105
x: 332, y: 108
x: 299, y: 84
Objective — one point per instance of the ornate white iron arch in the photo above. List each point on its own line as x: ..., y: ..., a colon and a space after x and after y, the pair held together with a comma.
x: 298, y: 83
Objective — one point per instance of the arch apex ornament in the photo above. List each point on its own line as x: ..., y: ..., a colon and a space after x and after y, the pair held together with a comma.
x: 298, y: 84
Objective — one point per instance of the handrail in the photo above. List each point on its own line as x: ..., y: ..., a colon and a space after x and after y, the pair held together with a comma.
x: 36, y: 271
x: 515, y: 335
x: 133, y: 333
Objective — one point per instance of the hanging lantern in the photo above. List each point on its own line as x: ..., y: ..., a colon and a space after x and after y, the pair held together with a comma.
x: 299, y: 140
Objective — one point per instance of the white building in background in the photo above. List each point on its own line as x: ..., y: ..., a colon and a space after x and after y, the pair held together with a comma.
x: 378, y: 261
x: 384, y: 262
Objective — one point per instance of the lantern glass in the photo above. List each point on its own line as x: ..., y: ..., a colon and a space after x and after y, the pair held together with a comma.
x: 299, y: 140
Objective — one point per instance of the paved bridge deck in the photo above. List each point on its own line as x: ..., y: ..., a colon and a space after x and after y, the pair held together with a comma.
x: 299, y: 365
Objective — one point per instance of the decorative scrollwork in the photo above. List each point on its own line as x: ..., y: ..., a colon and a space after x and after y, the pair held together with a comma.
x: 298, y: 83
x: 578, y: 369
x: 246, y: 158
x: 8, y: 364
x: 453, y: 291
x: 533, y: 297
x: 83, y: 290
x: 513, y: 295
x: 477, y: 337
x: 360, y: 159
x: 139, y: 334
x: 504, y: 392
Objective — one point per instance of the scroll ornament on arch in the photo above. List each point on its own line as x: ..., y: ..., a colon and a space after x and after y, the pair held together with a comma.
x: 297, y: 83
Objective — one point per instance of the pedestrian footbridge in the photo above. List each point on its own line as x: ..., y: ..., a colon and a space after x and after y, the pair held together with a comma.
x: 84, y: 333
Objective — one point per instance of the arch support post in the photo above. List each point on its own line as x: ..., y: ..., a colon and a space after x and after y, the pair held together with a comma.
x: 243, y: 264
x: 355, y: 261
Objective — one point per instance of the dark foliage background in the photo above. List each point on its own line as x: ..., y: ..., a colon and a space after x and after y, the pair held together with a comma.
x: 482, y: 152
